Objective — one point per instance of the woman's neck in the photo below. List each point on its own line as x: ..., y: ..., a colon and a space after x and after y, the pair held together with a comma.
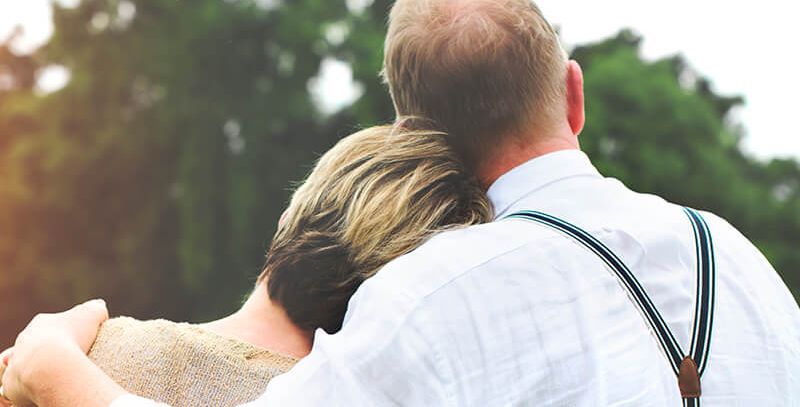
x: 264, y: 324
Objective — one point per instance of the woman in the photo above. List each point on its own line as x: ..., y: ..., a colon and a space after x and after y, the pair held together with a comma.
x: 376, y: 195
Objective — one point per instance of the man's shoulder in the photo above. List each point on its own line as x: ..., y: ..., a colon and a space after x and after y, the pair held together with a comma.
x: 468, y: 247
x: 449, y: 255
x: 727, y: 237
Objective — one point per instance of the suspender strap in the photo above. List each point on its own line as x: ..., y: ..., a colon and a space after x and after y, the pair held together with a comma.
x: 689, y: 368
x: 704, y: 303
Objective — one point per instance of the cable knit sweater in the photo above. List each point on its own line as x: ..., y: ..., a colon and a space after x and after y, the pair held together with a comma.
x: 183, y: 365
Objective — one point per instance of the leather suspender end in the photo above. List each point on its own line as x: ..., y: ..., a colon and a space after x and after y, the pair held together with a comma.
x: 689, y: 378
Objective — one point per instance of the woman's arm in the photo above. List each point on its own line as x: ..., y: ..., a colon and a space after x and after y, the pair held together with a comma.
x: 49, y: 367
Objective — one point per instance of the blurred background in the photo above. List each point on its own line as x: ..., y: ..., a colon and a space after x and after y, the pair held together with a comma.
x: 147, y: 147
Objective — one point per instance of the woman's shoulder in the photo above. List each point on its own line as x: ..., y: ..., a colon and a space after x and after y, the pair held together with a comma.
x: 121, y: 327
x: 125, y: 335
x: 234, y: 350
x: 170, y: 362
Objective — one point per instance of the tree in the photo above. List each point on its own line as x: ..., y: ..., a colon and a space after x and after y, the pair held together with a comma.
x: 156, y: 176
x: 660, y: 128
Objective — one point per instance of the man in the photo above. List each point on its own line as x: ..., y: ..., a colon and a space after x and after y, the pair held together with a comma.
x: 580, y: 299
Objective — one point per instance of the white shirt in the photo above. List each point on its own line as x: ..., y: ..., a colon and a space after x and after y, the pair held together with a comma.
x: 513, y: 313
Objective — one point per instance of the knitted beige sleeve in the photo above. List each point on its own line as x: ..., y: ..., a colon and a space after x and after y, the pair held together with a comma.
x: 183, y: 365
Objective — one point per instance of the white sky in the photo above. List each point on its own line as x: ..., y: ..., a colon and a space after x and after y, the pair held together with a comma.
x: 744, y: 47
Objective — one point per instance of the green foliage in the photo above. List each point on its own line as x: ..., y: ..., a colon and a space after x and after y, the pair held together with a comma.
x: 156, y: 177
x: 660, y: 130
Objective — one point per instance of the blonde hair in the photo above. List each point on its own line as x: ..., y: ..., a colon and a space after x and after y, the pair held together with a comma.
x: 480, y: 69
x: 375, y: 196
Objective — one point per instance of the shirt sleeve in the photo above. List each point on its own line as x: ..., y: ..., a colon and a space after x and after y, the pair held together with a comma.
x: 130, y: 400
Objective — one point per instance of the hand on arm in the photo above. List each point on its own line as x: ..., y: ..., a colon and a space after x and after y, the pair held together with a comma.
x: 49, y: 366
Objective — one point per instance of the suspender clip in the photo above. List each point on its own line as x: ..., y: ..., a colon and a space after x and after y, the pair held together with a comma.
x: 689, y: 379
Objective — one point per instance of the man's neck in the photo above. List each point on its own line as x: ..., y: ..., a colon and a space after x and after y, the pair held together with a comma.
x: 519, y: 150
x: 265, y: 324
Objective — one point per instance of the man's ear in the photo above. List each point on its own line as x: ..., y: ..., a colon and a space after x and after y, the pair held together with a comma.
x: 576, y: 115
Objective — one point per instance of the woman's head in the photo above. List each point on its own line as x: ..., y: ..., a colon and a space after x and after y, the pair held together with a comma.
x: 376, y: 195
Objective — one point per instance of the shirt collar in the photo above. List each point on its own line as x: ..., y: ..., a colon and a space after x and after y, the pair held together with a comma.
x: 537, y: 173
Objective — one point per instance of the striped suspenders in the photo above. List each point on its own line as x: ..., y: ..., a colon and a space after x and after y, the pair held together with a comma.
x: 688, y: 368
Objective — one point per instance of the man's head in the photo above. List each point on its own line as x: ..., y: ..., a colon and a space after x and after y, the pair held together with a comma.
x: 482, y: 70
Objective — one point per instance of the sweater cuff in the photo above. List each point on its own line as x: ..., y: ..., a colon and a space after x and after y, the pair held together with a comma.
x: 129, y: 400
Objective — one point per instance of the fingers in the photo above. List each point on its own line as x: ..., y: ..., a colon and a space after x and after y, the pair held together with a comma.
x: 3, y: 365
x: 46, y: 338
x: 83, y: 322
x: 5, y: 356
x: 9, y: 381
x: 90, y: 312
x: 9, y: 386
x: 4, y: 402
